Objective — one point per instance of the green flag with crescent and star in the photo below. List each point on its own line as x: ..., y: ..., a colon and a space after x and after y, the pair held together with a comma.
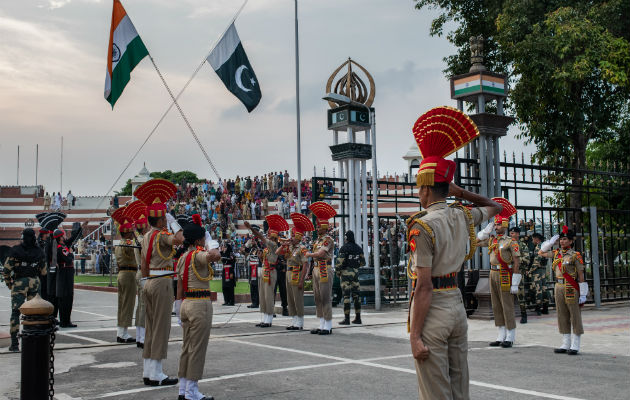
x: 230, y: 62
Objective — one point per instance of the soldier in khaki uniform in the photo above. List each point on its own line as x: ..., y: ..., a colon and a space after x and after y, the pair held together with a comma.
x: 297, y: 267
x: 539, y: 276
x: 193, y: 291
x: 437, y: 238
x: 267, y: 285
x: 127, y: 269
x: 504, y: 280
x: 525, y: 268
x: 157, y: 271
x: 322, y: 254
x: 568, y: 268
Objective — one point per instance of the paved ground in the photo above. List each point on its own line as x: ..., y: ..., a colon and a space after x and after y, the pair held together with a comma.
x: 368, y: 362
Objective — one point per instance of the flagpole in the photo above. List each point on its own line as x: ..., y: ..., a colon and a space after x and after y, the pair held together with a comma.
x: 297, y: 107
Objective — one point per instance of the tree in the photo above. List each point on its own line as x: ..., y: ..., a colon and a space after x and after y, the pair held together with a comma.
x: 569, y: 67
x: 178, y: 178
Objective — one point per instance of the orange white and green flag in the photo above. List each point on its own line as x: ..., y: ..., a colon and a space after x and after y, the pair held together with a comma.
x: 125, y: 51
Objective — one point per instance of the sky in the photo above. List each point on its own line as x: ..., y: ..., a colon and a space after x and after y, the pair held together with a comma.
x: 52, y: 74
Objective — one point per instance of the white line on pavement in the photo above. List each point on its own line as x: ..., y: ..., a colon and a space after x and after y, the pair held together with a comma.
x: 82, y: 337
x: 91, y: 313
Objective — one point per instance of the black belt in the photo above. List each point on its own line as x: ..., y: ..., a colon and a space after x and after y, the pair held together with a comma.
x: 197, y: 294
x: 127, y: 268
x: 448, y: 281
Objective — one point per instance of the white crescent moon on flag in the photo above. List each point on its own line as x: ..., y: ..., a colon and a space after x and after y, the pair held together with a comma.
x: 237, y: 76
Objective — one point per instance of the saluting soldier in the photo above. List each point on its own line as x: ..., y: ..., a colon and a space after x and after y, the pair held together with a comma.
x: 525, y: 268
x: 127, y: 269
x: 348, y: 263
x: 267, y: 285
x: 157, y: 271
x: 136, y: 211
x: 539, y: 276
x: 193, y: 291
x: 297, y: 267
x: 570, y: 291
x: 437, y: 238
x: 21, y: 274
x: 504, y: 273
x: 322, y: 254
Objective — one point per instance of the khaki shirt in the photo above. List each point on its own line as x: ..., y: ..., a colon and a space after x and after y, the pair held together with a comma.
x: 202, y: 266
x: 450, y: 229
x: 271, y: 246
x: 125, y: 256
x: 296, y: 255
x: 328, y: 244
x: 165, y: 247
x: 508, y: 248
x: 571, y: 263
x: 138, y: 252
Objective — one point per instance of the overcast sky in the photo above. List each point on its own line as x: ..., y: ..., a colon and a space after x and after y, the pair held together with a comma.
x: 52, y: 73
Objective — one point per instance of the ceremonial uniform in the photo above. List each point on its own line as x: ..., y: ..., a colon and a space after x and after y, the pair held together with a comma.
x: 127, y: 269
x: 254, y: 268
x: 268, y: 282
x: 502, y: 250
x: 348, y: 263
x: 228, y: 277
x: 21, y: 274
x: 566, y: 264
x: 539, y: 281
x: 64, y: 281
x: 322, y: 267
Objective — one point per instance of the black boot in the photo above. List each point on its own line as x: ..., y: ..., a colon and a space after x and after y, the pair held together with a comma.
x: 346, y: 320
x: 15, y: 344
x: 357, y: 319
x: 545, y: 309
x: 538, y: 310
x: 285, y: 311
x: 523, y: 317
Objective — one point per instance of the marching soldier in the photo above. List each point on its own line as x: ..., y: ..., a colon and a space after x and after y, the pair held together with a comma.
x: 504, y: 280
x: 228, y: 278
x: 157, y: 270
x: 276, y: 224
x: 21, y: 274
x: 437, y: 238
x: 322, y: 254
x: 136, y: 211
x: 568, y: 267
x: 525, y: 268
x: 348, y: 263
x: 539, y: 276
x: 193, y: 291
x: 297, y: 267
x: 127, y: 269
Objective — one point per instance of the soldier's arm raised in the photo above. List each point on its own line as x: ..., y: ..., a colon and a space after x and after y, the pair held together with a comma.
x: 492, y: 207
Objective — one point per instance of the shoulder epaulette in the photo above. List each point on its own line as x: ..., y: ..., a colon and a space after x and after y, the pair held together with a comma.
x: 471, y: 229
x: 416, y: 219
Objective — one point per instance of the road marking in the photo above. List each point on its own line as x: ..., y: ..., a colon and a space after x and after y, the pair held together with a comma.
x: 91, y: 313
x: 121, y: 364
x: 82, y: 337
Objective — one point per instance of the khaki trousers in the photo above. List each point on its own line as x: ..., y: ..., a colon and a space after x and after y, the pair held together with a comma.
x: 295, y: 297
x: 158, y: 296
x: 323, y: 294
x: 444, y: 375
x: 126, y: 297
x: 569, y: 315
x: 140, y: 310
x: 502, y: 302
x: 196, y: 318
x: 266, y: 293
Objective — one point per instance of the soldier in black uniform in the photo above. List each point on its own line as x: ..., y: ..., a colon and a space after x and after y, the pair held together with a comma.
x: 228, y: 277
x: 253, y: 263
x: 281, y: 284
x: 21, y: 274
x: 42, y: 242
x: 348, y: 263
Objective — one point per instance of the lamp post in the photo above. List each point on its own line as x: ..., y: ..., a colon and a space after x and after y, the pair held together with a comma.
x: 341, y: 99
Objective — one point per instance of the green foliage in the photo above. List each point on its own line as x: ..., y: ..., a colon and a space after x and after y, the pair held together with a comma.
x: 177, y: 177
x: 126, y: 190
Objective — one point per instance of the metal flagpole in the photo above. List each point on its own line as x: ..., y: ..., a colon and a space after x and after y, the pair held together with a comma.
x: 36, y: 162
x: 297, y: 107
x: 18, y: 167
x: 61, y: 169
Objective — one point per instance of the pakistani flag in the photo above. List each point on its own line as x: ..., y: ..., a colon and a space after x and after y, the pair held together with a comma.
x: 231, y: 64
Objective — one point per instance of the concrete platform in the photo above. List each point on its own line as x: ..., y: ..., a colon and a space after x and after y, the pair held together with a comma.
x: 372, y: 361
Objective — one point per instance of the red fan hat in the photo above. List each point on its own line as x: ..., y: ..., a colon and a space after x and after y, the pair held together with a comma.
x: 503, y: 218
x: 136, y: 211
x: 276, y: 224
x: 125, y: 224
x: 301, y: 224
x: 323, y: 212
x: 155, y: 193
x: 440, y: 132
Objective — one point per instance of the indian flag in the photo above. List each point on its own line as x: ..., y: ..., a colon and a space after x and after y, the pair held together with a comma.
x: 125, y: 51
x: 479, y: 83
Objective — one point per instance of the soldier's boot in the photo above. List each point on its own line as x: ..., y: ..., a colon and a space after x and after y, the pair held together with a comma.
x: 15, y: 344
x: 545, y: 309
x: 357, y: 319
x: 538, y: 310
x: 523, y: 316
x: 346, y: 320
